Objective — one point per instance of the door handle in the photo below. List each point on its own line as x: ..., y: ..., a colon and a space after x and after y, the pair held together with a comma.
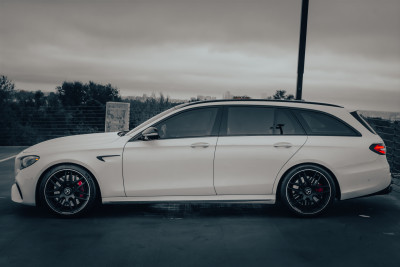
x: 283, y: 144
x: 200, y: 144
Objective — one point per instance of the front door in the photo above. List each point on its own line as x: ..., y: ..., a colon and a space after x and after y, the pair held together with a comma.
x: 179, y: 162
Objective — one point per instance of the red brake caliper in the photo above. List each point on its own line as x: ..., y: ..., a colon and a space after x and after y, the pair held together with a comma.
x: 319, y: 189
x: 81, y: 189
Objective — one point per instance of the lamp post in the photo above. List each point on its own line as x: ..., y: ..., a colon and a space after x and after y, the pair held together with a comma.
x: 302, y: 48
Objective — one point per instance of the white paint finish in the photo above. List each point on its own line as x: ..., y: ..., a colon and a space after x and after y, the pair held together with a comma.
x: 249, y: 164
x: 270, y: 199
x: 74, y: 142
x: 15, y: 194
x: 359, y: 171
x: 169, y: 167
x: 81, y: 150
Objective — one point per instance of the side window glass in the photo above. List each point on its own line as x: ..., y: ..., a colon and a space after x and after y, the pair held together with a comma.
x: 250, y: 121
x: 286, y: 124
x: 322, y: 124
x: 193, y: 123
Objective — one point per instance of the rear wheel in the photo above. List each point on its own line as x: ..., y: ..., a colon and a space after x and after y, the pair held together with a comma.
x: 68, y: 191
x: 308, y: 190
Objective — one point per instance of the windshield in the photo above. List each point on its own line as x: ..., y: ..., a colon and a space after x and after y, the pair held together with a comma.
x: 152, y: 119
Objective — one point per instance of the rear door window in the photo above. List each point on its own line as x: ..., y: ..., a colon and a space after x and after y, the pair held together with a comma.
x: 244, y: 120
x: 250, y: 121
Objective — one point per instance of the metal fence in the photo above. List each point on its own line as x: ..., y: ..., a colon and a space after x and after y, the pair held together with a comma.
x: 34, y: 125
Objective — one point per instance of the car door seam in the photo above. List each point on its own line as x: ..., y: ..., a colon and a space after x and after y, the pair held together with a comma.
x: 215, y: 150
x: 276, y: 178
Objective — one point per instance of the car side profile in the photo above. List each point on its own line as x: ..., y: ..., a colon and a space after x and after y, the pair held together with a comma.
x: 303, y: 154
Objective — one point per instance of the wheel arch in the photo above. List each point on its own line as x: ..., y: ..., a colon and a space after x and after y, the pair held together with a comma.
x: 338, y: 192
x: 37, y: 197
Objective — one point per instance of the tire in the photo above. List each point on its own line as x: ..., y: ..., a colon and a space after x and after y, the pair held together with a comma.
x: 68, y: 191
x: 308, y: 190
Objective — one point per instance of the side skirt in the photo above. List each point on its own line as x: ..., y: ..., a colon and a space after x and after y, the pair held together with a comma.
x: 266, y: 199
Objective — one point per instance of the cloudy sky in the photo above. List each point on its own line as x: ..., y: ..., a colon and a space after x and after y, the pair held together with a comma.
x: 207, y: 47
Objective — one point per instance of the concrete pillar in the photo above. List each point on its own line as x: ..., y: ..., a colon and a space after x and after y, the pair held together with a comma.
x: 117, y: 116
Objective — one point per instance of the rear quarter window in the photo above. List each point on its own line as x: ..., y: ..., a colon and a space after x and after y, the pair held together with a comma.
x: 319, y: 123
x: 362, y: 121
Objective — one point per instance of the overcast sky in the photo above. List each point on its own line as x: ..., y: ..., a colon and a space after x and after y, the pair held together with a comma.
x: 197, y: 47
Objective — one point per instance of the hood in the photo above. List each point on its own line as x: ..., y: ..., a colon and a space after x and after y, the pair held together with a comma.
x: 74, y: 142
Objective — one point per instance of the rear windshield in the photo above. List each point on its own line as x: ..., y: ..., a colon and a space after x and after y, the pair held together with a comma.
x: 359, y: 117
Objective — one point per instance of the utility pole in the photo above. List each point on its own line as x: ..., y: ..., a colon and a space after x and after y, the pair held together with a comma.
x: 302, y: 48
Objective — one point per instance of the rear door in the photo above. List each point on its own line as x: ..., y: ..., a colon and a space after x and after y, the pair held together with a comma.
x: 254, y: 143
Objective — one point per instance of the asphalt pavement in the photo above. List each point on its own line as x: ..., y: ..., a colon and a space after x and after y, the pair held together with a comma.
x: 358, y: 232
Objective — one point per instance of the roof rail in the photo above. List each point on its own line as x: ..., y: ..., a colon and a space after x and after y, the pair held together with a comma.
x: 259, y: 100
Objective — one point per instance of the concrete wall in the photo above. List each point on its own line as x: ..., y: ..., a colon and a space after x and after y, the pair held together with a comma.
x: 117, y: 116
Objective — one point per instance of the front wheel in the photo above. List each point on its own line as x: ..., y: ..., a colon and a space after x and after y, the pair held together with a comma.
x: 68, y: 191
x: 308, y: 190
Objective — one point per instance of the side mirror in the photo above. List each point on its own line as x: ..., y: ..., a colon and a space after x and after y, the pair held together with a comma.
x: 122, y: 133
x: 150, y: 134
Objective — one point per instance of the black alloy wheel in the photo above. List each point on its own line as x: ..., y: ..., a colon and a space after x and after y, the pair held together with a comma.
x: 308, y: 190
x: 68, y: 190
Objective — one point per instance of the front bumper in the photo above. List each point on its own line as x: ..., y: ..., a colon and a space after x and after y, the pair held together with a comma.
x: 24, y: 189
x: 16, y: 194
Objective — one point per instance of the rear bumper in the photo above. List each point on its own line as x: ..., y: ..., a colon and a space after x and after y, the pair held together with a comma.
x: 385, y: 191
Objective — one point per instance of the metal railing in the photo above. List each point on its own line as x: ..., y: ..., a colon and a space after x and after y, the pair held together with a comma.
x: 35, y: 125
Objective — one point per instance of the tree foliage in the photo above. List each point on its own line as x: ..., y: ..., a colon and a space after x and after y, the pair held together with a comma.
x: 281, y: 95
x: 6, y: 89
x: 147, y: 107
x: 77, y: 93
x: 29, y: 117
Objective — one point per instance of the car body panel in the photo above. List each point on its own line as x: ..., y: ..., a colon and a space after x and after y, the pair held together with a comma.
x: 247, y: 165
x: 80, y: 150
x: 267, y: 199
x: 182, y: 166
x: 358, y: 170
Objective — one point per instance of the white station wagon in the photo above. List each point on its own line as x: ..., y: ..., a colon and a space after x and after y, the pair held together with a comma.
x: 303, y: 154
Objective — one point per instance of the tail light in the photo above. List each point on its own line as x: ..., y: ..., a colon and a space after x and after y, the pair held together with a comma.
x: 378, y: 148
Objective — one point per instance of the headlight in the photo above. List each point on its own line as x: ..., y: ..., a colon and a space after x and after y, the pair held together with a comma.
x: 28, y: 161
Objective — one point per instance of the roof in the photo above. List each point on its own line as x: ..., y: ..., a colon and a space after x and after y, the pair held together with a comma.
x: 258, y: 100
